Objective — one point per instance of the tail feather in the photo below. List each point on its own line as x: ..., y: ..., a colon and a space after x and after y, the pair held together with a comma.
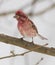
x: 43, y: 38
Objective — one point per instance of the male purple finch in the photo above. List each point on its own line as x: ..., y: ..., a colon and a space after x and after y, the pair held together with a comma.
x: 26, y: 26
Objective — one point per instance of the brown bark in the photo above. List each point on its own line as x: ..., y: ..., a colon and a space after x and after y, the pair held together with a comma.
x: 27, y: 45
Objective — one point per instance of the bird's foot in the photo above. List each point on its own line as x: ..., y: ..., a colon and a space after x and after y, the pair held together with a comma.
x: 30, y: 44
x: 21, y: 38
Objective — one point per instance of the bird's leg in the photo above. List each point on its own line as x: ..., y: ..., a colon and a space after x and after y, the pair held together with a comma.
x: 32, y: 41
x: 31, y: 44
x: 22, y: 38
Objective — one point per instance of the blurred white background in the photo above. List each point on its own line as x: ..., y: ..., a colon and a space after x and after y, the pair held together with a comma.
x: 44, y: 22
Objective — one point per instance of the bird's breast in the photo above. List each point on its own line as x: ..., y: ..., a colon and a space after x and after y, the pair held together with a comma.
x: 26, y: 30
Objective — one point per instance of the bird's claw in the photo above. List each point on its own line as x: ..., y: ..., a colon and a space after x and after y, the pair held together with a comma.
x: 21, y: 38
x: 29, y: 44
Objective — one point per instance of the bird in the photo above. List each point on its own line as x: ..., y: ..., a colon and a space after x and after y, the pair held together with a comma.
x: 26, y: 26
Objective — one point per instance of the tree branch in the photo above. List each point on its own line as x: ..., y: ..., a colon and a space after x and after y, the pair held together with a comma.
x: 43, y: 11
x: 33, y: 14
x: 24, y: 44
x: 22, y: 54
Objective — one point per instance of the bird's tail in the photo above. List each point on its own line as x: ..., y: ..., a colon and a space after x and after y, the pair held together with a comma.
x: 43, y: 38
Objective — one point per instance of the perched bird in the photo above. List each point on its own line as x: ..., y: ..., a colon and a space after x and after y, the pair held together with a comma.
x: 26, y: 26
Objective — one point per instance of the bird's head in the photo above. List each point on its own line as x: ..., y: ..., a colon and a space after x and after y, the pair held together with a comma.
x: 20, y: 15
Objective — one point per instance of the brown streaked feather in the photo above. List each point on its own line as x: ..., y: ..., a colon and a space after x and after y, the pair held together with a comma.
x: 33, y: 25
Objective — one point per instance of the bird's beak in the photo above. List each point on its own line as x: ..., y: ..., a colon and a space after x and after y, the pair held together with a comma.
x: 16, y: 16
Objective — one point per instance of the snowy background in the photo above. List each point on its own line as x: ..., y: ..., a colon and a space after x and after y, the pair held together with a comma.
x: 45, y: 24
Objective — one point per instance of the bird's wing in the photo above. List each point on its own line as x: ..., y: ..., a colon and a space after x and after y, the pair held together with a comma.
x: 33, y: 25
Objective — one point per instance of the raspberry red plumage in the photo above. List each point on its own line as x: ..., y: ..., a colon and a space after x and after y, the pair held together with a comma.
x: 26, y: 26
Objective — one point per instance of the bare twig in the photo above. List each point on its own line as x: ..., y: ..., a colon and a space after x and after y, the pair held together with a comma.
x: 32, y: 7
x: 13, y: 55
x: 39, y: 61
x: 33, y: 14
x: 33, y: 2
x: 22, y: 54
x: 11, y: 12
x: 43, y: 11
